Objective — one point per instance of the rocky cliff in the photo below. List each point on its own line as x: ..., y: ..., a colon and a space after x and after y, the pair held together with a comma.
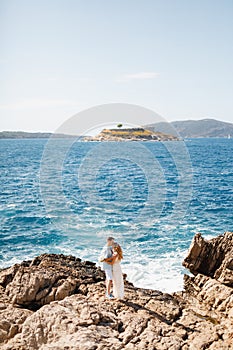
x: 57, y: 302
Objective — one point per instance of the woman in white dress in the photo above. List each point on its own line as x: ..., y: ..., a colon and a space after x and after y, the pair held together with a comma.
x: 118, y: 282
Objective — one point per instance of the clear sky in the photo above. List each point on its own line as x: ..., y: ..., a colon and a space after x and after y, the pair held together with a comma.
x: 59, y: 57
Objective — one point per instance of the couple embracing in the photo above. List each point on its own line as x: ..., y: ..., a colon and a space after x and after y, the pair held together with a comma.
x: 111, y: 257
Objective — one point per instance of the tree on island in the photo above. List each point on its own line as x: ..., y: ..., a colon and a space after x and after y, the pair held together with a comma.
x: 119, y: 125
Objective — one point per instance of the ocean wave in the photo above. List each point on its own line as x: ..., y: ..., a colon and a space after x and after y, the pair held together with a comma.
x: 71, y: 222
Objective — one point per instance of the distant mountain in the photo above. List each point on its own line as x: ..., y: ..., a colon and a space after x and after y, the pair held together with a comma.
x: 31, y: 135
x: 203, y: 128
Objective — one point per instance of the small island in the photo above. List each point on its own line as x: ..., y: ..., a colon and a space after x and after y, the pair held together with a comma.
x: 130, y: 134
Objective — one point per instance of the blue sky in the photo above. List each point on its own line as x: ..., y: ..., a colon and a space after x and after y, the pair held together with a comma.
x: 59, y: 57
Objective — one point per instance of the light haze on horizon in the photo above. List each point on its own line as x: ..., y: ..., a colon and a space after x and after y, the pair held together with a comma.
x: 59, y: 57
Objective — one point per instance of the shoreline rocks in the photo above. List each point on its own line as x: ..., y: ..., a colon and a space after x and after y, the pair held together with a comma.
x: 58, y: 302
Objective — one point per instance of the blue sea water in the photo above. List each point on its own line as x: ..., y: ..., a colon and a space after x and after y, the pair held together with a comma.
x: 61, y: 196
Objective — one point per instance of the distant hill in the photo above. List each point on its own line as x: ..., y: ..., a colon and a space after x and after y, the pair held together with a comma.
x: 203, y: 128
x: 31, y: 135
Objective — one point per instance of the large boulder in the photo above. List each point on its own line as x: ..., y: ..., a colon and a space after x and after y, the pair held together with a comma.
x: 47, y: 278
x: 213, y: 258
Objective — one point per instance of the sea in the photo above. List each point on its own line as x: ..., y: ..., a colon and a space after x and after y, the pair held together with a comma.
x: 65, y: 196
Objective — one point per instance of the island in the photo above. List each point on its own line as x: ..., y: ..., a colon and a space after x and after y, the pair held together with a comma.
x: 131, y: 134
x: 58, y: 302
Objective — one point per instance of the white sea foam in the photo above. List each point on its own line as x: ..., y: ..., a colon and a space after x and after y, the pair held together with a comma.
x: 12, y: 205
x: 164, y: 273
x: 208, y: 236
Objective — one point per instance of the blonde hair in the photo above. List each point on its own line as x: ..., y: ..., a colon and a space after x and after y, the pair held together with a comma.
x: 118, y: 249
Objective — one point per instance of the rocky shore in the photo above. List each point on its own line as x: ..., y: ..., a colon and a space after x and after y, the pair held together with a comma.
x: 57, y: 302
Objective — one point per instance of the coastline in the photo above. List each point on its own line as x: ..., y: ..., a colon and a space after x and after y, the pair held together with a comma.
x: 55, y: 301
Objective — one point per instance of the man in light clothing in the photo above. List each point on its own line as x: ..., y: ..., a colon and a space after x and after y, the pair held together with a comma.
x: 105, y: 254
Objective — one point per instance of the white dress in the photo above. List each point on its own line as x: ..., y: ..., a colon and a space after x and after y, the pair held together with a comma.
x: 117, y: 279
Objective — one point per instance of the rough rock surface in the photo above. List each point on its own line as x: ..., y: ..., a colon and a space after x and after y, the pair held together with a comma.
x: 57, y: 302
x: 212, y: 258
